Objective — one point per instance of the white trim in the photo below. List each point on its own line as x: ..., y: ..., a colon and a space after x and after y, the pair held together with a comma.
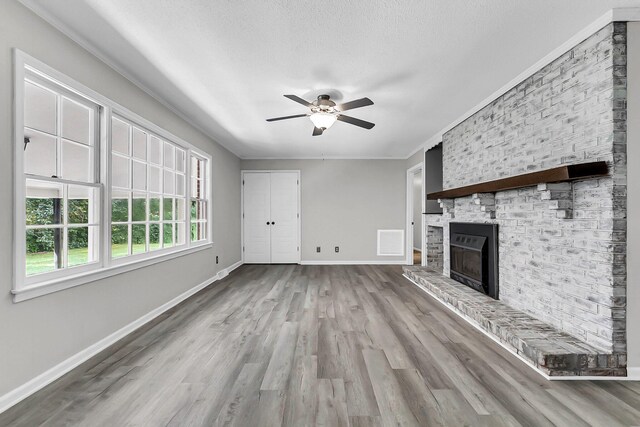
x: 25, y: 390
x: 633, y: 374
x: 411, y: 172
x: 338, y: 262
x: 242, y: 174
x: 613, y: 15
x: 326, y: 158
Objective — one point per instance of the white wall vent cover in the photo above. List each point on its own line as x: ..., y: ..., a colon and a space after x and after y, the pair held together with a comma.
x: 390, y: 242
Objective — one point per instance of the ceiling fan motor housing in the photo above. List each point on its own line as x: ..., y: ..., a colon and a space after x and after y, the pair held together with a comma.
x: 324, y: 102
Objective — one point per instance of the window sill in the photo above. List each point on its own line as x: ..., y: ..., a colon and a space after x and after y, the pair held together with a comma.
x: 51, y: 286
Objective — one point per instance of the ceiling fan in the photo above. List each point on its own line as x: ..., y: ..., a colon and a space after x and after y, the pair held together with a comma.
x: 324, y: 112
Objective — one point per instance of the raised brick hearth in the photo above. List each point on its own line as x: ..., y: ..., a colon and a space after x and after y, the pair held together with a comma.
x: 553, y: 352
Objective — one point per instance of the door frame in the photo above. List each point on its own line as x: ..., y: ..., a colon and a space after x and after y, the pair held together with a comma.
x: 409, y: 214
x: 242, y: 174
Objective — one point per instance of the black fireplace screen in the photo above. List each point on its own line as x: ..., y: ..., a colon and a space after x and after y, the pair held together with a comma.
x: 474, y: 256
x: 467, y: 262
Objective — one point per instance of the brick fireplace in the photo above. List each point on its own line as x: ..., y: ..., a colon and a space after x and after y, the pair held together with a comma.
x: 561, y: 246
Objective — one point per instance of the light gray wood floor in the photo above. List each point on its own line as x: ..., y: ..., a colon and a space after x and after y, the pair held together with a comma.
x: 316, y: 345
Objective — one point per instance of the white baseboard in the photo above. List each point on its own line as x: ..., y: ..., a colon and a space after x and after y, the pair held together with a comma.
x: 225, y: 272
x: 18, y: 394
x: 376, y: 262
x: 633, y: 374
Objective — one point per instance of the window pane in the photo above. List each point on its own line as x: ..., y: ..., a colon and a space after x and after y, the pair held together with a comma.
x: 82, y: 245
x: 169, y: 182
x: 139, y: 209
x: 180, y: 160
x: 120, y: 171
x: 39, y: 154
x: 119, y: 136
x: 138, y: 238
x: 76, y: 162
x: 139, y: 176
x: 119, y: 206
x: 155, y: 179
x: 194, y: 166
x: 167, y: 208
x: 139, y: 144
x: 169, y: 155
x: 180, y: 234
x: 194, y: 209
x: 154, y: 237
x: 198, y: 231
x: 83, y: 205
x: 42, y: 246
x: 155, y: 150
x: 40, y: 108
x: 167, y: 235
x: 44, y: 203
x: 202, y: 210
x: 76, y: 121
x: 154, y: 208
x: 179, y: 212
x: 180, y: 185
x: 119, y: 241
x: 78, y: 211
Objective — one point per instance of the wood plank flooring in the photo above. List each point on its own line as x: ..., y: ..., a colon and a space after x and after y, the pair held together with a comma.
x: 316, y: 345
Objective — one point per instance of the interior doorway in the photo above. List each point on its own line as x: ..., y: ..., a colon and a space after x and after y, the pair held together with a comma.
x: 415, y: 225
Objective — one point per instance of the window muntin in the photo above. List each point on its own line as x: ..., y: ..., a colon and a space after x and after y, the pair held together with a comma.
x: 62, y: 197
x: 199, y: 198
x: 148, y: 191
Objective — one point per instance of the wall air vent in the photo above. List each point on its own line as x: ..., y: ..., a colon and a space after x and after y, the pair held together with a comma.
x: 390, y: 242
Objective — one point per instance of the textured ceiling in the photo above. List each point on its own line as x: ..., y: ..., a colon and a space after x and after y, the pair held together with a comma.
x: 225, y: 64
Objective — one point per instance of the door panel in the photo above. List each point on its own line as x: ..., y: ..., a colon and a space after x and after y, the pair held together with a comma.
x: 257, y: 206
x: 284, y: 213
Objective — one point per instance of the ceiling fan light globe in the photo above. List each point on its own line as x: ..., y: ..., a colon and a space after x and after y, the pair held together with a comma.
x: 323, y: 120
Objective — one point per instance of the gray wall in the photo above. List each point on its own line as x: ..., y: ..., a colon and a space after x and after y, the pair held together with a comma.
x: 38, y: 334
x: 567, y: 272
x: 633, y: 196
x: 344, y: 203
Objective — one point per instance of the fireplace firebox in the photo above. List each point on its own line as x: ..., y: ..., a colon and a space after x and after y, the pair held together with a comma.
x: 473, y: 250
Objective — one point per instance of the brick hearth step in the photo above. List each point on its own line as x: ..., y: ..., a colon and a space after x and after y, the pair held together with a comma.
x: 553, y: 352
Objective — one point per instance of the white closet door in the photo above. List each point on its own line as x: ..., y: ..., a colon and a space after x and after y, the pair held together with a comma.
x: 257, y: 218
x: 284, y: 217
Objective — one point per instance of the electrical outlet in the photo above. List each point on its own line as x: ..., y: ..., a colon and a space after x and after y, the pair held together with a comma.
x: 318, y: 249
x: 337, y: 248
x: 216, y: 259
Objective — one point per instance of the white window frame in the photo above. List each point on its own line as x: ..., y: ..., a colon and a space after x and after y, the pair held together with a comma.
x: 24, y: 289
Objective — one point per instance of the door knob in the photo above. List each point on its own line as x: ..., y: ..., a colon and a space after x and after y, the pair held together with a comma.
x: 273, y: 223
x: 267, y: 222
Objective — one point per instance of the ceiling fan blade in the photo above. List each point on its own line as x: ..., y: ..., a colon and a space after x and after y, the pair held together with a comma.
x: 317, y: 131
x: 362, y: 102
x: 286, y: 117
x: 354, y: 121
x: 299, y: 100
